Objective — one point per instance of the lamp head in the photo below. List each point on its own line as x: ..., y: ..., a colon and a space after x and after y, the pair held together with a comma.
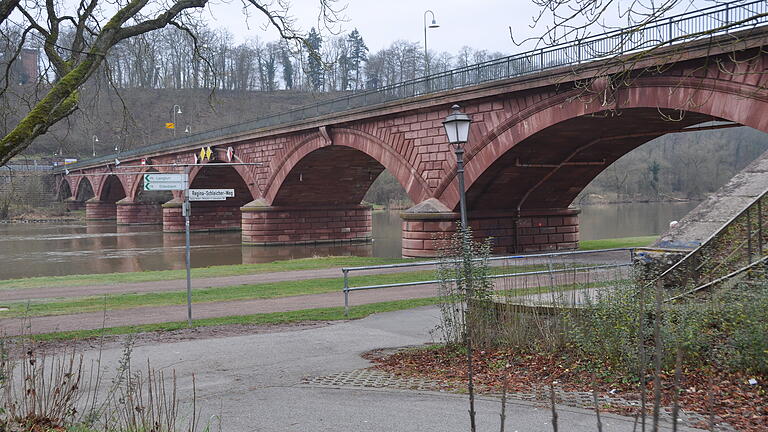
x: 95, y: 138
x: 178, y: 109
x: 457, y: 126
x: 434, y: 24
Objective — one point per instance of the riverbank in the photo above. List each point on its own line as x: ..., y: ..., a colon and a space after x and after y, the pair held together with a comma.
x: 278, y: 291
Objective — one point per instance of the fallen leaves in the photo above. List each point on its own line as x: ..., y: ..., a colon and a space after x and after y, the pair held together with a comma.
x: 733, y: 398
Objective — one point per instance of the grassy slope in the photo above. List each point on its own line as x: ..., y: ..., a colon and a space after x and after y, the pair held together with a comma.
x: 228, y: 270
x: 231, y: 293
x: 624, y: 242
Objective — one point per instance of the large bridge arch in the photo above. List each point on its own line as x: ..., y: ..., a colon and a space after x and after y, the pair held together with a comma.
x: 522, y: 175
x: 699, y: 99
x: 367, y: 150
x: 315, y: 189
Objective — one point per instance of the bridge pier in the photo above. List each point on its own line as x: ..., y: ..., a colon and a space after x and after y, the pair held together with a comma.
x: 131, y: 212
x: 95, y: 209
x: 206, y: 216
x: 426, y: 225
x: 265, y: 225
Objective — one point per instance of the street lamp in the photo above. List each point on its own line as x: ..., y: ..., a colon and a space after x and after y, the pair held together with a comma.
x: 433, y: 25
x: 94, y: 140
x: 457, y: 129
x: 175, y: 110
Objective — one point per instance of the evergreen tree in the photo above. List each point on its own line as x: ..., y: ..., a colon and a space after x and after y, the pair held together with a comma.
x: 314, y: 63
x: 287, y: 64
x: 358, y: 54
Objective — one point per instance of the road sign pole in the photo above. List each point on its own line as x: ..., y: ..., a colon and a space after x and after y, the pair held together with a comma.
x: 187, y: 209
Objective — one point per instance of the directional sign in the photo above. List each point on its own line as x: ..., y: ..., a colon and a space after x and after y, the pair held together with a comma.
x: 210, y: 194
x: 164, y: 182
x: 160, y: 178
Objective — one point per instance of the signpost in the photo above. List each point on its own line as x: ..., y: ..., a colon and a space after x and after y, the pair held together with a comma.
x: 180, y: 182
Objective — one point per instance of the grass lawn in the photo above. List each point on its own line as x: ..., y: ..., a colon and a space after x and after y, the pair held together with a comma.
x: 74, y: 305
x: 625, y: 242
x: 228, y: 270
x: 320, y: 314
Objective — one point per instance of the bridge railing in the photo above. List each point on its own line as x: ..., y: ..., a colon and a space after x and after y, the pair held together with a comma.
x: 714, y: 20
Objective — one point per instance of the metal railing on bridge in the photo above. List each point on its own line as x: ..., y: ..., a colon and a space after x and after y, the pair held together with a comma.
x: 719, y: 19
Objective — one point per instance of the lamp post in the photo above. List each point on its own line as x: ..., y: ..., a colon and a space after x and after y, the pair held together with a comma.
x: 94, y: 140
x: 457, y: 129
x: 175, y: 110
x: 433, y: 25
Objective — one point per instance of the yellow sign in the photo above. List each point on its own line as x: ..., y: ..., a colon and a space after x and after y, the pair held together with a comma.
x: 206, y: 153
x: 170, y: 125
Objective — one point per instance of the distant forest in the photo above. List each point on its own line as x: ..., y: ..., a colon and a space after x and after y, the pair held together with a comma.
x: 128, y: 104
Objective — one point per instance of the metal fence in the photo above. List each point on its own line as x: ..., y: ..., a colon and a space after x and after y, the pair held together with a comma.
x: 561, y: 277
x: 727, y: 17
x: 735, y: 250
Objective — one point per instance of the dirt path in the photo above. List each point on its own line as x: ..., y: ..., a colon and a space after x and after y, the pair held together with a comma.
x: 159, y: 314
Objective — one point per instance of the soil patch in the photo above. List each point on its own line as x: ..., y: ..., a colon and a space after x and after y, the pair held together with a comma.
x: 729, y: 395
x: 164, y: 336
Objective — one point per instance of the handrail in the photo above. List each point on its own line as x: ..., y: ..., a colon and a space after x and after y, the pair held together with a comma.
x: 346, y: 270
x: 684, y: 260
x: 680, y: 27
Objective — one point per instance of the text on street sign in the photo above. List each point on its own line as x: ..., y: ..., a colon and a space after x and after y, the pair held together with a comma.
x: 210, y: 194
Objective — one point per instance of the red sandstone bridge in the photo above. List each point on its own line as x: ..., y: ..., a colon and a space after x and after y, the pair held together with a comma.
x: 545, y: 123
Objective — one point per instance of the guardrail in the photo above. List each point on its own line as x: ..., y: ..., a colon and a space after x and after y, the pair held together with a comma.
x: 718, y: 19
x: 548, y: 259
x: 729, y: 252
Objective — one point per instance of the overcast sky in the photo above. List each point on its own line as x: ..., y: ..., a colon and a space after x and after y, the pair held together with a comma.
x: 480, y: 24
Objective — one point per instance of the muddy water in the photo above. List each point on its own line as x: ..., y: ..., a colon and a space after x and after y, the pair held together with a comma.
x: 76, y: 248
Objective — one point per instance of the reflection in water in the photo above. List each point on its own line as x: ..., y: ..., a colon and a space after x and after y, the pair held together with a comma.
x: 52, y: 249
x: 630, y: 219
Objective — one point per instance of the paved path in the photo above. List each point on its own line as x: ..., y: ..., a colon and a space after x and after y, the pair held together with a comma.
x: 253, y: 383
x: 159, y: 314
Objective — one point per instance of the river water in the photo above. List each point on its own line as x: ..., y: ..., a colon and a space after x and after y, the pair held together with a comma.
x: 75, y: 248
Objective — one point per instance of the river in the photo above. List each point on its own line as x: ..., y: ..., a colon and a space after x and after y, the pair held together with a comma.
x: 75, y: 248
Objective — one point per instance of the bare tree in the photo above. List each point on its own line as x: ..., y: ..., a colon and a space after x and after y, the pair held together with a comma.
x: 76, y: 43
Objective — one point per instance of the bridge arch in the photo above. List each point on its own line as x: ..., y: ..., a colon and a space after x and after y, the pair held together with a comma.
x: 318, y: 163
x: 63, y: 189
x: 564, y: 129
x: 112, y: 189
x: 83, y: 189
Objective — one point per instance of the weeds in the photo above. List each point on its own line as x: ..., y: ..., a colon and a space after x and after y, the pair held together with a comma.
x: 62, y: 390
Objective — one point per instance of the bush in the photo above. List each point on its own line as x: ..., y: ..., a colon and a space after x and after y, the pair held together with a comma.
x: 728, y: 329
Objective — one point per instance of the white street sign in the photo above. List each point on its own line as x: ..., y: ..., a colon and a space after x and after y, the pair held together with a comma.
x: 164, y: 182
x: 210, y: 194
x: 167, y: 186
x: 164, y: 178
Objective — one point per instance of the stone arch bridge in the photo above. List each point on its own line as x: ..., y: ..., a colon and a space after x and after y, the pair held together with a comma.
x: 537, y: 139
